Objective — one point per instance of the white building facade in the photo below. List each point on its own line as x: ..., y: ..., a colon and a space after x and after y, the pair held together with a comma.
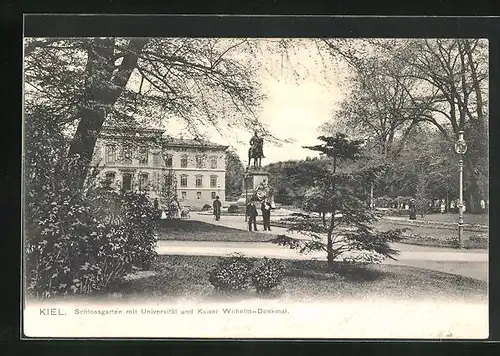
x: 145, y: 160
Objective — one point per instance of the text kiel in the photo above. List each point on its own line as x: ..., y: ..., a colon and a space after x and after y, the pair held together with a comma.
x: 51, y: 311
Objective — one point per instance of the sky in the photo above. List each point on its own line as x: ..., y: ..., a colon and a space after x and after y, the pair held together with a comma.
x: 294, y: 108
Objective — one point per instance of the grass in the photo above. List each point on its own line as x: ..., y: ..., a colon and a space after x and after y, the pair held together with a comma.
x: 434, y: 236
x: 185, y: 277
x: 426, y: 235
x: 472, y: 219
x: 473, y: 269
x: 191, y: 230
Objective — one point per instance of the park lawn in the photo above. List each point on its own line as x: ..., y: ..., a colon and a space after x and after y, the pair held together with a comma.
x: 472, y: 219
x: 192, y: 230
x: 186, y: 277
x: 425, y: 235
x: 428, y: 235
x: 473, y: 269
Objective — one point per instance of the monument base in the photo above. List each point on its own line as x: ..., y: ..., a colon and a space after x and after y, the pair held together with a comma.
x: 256, y: 184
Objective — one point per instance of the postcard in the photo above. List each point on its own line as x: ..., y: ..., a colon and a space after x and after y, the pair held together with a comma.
x: 305, y: 188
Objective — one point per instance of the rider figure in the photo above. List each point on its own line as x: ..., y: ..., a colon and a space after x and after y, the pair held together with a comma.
x: 257, y: 143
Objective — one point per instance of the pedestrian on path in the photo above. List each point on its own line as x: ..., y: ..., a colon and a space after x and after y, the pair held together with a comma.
x: 266, y: 214
x: 252, y: 216
x: 217, y: 208
x: 413, y: 210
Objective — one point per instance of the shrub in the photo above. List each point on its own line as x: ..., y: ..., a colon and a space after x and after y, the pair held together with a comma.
x: 79, y: 243
x: 233, y: 209
x: 402, y: 201
x: 384, y: 202
x: 479, y: 237
x: 76, y: 240
x: 231, y: 273
x: 206, y: 207
x: 395, y: 212
x: 267, y: 275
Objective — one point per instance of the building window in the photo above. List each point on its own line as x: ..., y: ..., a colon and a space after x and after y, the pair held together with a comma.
x: 213, y: 162
x: 127, y: 154
x: 199, y: 181
x: 198, y: 195
x: 127, y: 181
x: 213, y: 182
x: 184, y: 161
x: 143, y: 181
x: 110, y: 154
x: 199, y: 162
x: 169, y: 160
x: 143, y: 158
x: 110, y: 177
x: 184, y: 181
x: 214, y: 195
x: 183, y: 195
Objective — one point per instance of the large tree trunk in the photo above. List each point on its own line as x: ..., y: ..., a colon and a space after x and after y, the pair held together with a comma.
x: 101, y: 93
x: 329, y: 256
x: 475, y: 82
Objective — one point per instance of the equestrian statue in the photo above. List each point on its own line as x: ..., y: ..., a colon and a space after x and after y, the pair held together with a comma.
x: 256, y: 151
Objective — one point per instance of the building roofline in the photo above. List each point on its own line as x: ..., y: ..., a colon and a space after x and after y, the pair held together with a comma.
x: 191, y: 143
x: 166, y: 142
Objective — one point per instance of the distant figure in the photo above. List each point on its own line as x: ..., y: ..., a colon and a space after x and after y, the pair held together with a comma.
x: 185, y: 213
x: 174, y: 209
x: 252, y: 216
x: 413, y: 210
x: 217, y: 208
x: 442, y: 206
x: 156, y: 207
x: 266, y: 214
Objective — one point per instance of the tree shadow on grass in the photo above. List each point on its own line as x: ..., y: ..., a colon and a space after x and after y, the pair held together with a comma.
x: 178, y: 278
x: 341, y: 271
x: 192, y: 230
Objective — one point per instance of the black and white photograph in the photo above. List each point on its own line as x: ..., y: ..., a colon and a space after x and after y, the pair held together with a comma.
x: 181, y: 187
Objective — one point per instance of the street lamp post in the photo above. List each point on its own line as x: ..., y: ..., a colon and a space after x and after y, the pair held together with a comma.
x: 461, y: 148
x: 372, y: 201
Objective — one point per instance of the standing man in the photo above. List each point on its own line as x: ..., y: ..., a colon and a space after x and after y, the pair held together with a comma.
x: 413, y: 210
x: 266, y: 214
x: 252, y: 215
x: 217, y: 208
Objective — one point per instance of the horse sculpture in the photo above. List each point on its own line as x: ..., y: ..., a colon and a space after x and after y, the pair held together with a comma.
x: 256, y: 151
x: 256, y: 154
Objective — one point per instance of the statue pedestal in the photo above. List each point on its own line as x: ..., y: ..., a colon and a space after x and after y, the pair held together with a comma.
x: 252, y: 181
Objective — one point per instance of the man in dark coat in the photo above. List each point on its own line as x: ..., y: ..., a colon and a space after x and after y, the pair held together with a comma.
x: 252, y: 215
x: 413, y: 210
x: 266, y: 214
x: 217, y: 208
